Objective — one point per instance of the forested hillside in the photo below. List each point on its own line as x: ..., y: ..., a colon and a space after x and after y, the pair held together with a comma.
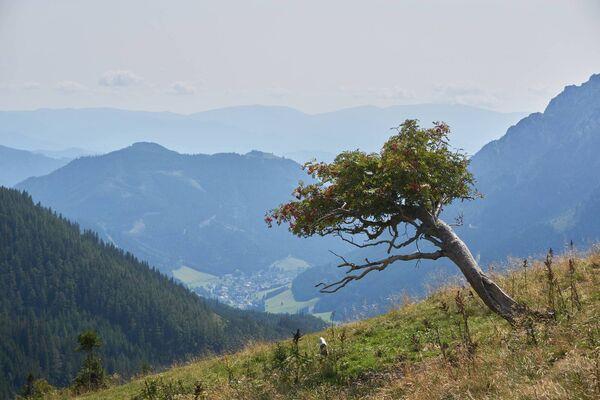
x: 56, y: 282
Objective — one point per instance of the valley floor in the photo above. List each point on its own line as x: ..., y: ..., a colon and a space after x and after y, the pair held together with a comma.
x: 423, y: 350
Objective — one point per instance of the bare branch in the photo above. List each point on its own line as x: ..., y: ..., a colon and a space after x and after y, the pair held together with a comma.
x: 373, y: 229
x: 391, y: 243
x: 361, y: 245
x: 370, y: 266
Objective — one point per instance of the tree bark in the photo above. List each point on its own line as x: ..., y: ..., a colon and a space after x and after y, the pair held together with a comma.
x: 491, y: 294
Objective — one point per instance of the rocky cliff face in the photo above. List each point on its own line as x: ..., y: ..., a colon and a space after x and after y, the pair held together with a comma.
x: 536, y: 176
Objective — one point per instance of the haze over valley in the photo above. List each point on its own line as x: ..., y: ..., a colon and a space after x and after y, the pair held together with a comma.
x: 280, y: 130
x: 199, y: 218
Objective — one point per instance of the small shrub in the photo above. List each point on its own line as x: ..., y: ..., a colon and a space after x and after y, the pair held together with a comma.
x: 464, y: 324
x: 159, y: 389
x: 36, y: 389
x: 91, y: 376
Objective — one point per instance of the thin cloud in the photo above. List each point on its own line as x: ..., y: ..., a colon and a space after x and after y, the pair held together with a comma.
x: 388, y: 93
x: 70, y: 87
x: 543, y: 91
x: 29, y: 85
x: 467, y: 94
x: 394, y: 93
x: 182, y: 88
x: 277, y: 92
x: 119, y: 78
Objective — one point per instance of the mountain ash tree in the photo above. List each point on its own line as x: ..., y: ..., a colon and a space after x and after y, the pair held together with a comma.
x: 394, y: 199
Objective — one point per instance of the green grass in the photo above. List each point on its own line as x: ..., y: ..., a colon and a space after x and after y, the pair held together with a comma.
x: 193, y: 278
x: 262, y: 293
x: 290, y: 264
x: 417, y: 352
x: 285, y: 302
x: 325, y: 316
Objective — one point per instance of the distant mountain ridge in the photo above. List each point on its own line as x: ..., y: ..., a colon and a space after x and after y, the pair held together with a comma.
x: 17, y: 165
x: 171, y: 209
x: 280, y: 130
x: 56, y: 282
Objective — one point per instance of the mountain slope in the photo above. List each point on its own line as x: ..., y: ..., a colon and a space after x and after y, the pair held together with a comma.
x: 534, y: 177
x: 171, y: 209
x: 56, y: 282
x: 280, y: 130
x: 420, y: 351
x: 17, y: 165
x: 541, y: 189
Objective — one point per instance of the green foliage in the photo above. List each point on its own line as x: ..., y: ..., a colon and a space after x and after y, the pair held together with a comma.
x: 35, y: 389
x: 159, y: 389
x: 416, y: 168
x: 88, y: 341
x: 91, y: 376
x: 56, y: 282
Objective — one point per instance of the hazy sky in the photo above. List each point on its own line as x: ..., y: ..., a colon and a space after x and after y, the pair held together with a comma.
x: 186, y: 56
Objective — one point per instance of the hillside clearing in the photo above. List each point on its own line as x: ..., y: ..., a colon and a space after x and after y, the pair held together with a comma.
x: 193, y: 278
x: 285, y: 302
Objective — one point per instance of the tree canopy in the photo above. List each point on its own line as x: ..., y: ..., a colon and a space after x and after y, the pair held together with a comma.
x: 88, y: 341
x: 392, y: 198
x: 371, y: 193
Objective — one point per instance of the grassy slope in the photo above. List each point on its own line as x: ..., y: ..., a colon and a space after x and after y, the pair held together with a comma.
x: 285, y: 302
x: 398, y: 355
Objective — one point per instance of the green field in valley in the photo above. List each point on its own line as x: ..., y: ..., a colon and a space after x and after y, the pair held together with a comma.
x: 285, y: 303
x: 194, y: 279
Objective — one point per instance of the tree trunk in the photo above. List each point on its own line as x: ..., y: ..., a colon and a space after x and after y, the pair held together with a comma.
x: 491, y: 294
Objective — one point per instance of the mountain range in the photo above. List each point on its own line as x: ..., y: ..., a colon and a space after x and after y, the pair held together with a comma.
x: 540, y: 185
x: 17, y: 165
x: 280, y: 130
x: 200, y: 211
